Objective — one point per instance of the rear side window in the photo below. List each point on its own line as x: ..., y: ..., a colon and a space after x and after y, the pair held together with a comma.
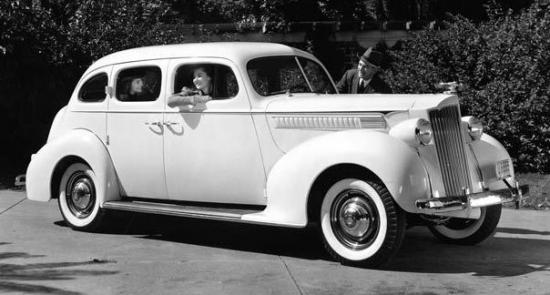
x: 139, y: 84
x: 93, y: 90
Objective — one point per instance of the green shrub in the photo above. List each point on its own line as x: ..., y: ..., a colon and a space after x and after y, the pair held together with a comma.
x: 44, y: 49
x: 503, y: 65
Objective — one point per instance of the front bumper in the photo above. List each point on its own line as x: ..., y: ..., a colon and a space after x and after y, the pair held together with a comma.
x: 476, y: 200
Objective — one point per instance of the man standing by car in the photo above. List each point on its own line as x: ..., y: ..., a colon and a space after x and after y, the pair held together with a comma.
x: 365, y: 78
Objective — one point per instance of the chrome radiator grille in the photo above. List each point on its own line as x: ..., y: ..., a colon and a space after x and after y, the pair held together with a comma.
x: 449, y: 143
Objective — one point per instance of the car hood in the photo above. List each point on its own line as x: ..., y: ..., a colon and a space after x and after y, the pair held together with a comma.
x: 314, y: 103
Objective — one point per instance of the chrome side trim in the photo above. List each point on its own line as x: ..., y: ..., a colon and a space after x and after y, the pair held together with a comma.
x: 330, y: 122
x: 177, y: 210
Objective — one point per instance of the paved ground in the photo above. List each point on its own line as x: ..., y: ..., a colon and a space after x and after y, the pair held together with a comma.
x: 160, y: 255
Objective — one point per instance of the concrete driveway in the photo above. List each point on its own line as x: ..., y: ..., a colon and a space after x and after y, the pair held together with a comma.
x: 145, y: 254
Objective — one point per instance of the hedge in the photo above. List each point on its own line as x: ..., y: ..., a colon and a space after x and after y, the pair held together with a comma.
x: 502, y: 63
x: 503, y: 66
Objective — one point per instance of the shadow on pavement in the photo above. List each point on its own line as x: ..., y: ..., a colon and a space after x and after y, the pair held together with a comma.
x: 521, y: 231
x: 420, y: 252
x: 495, y: 257
x: 303, y: 243
x: 11, y: 275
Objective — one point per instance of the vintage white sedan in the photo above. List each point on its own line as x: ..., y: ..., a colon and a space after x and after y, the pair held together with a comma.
x: 274, y: 144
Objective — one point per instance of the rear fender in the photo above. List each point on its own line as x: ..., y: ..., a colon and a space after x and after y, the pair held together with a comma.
x: 77, y: 144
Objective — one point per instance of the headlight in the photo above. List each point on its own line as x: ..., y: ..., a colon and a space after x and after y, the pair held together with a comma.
x: 415, y: 132
x: 475, y: 127
x: 424, y: 132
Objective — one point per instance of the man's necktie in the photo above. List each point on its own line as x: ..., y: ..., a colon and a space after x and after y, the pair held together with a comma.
x: 361, y: 87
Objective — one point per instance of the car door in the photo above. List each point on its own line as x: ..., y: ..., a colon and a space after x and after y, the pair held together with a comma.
x: 135, y: 130
x: 211, y: 151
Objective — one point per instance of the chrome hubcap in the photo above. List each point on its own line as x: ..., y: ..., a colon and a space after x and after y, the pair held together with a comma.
x: 80, y: 194
x: 354, y: 219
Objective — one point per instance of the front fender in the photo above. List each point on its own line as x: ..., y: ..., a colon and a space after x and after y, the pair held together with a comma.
x: 396, y: 164
x: 79, y: 143
x: 488, y: 152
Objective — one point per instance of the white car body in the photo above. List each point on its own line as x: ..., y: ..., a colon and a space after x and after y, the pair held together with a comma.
x: 264, y: 151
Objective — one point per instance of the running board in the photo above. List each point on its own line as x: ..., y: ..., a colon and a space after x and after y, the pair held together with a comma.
x: 193, y: 211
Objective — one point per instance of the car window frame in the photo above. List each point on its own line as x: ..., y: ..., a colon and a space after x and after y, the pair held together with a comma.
x: 214, y: 63
x: 94, y: 75
x: 241, y: 102
x: 296, y: 58
x: 134, y: 66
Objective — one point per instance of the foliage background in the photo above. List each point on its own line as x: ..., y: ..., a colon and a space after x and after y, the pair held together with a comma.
x: 501, y: 57
x: 503, y: 66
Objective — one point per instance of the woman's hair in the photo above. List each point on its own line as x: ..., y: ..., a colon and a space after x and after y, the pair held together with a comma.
x: 124, y: 88
x: 205, y: 68
x: 209, y: 70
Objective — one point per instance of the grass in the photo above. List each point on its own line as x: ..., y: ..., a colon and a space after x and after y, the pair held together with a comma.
x: 539, y: 190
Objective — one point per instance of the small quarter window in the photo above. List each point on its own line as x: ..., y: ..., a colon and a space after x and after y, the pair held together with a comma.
x: 215, y: 80
x: 139, y: 84
x: 93, y: 90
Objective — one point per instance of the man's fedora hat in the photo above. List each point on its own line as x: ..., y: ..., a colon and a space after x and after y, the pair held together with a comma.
x: 373, y: 57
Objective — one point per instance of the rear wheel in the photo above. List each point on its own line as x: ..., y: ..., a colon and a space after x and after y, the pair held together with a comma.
x: 78, y: 200
x: 360, y: 222
x: 469, y: 231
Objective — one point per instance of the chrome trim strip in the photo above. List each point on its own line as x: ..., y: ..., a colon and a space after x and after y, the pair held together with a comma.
x: 182, y: 211
x: 474, y: 162
x: 169, y: 209
x: 327, y: 122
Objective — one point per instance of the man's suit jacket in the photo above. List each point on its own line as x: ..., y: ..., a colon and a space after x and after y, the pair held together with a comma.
x: 350, y: 84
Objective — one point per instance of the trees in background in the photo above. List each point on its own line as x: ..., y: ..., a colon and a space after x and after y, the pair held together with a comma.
x: 45, y: 45
x: 44, y: 48
x: 503, y: 64
x: 204, y: 11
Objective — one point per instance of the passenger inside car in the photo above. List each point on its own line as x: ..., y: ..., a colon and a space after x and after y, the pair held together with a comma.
x: 135, y: 87
x: 200, y: 93
x: 138, y: 84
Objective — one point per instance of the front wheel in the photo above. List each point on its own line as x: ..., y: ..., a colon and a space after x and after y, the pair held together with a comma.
x: 78, y: 200
x: 360, y: 222
x: 469, y: 231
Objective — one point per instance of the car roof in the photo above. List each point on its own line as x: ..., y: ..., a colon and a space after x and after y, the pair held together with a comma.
x: 235, y: 51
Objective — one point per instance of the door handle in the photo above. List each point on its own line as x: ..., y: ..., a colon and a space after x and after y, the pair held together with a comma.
x: 170, y: 123
x: 154, y: 123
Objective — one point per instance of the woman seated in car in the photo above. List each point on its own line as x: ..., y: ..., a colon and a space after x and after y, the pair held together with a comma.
x: 202, y: 80
x: 133, y: 89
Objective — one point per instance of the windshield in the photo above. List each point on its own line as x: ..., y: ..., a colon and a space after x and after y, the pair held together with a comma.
x: 281, y: 74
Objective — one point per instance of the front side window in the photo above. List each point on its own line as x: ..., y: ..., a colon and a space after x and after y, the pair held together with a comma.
x: 279, y: 74
x: 139, y: 84
x: 215, y: 80
x: 93, y: 90
x: 318, y: 79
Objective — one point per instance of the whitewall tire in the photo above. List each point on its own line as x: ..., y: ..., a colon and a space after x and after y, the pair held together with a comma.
x: 360, y: 222
x: 469, y: 231
x: 78, y: 198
